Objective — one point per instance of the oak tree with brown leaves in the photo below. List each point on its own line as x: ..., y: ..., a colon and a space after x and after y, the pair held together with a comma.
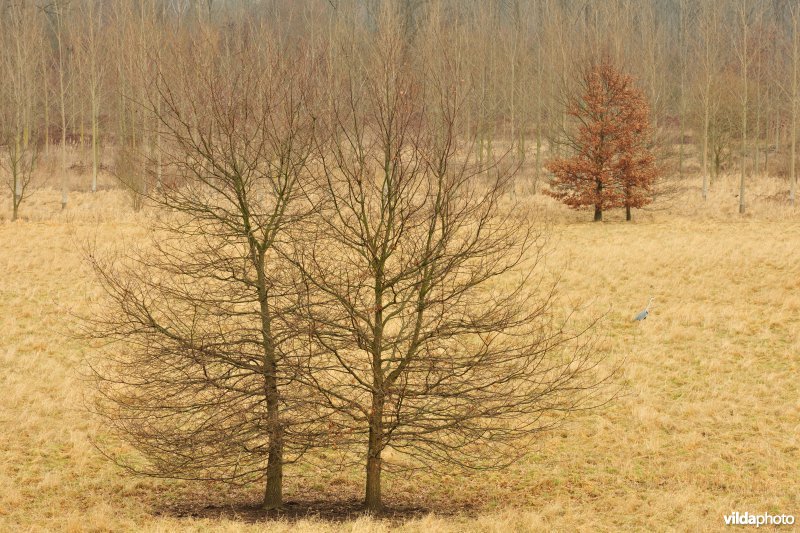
x: 612, y: 165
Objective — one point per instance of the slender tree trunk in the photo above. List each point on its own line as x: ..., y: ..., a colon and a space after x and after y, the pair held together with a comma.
x: 706, y: 120
x: 682, y: 135
x: 743, y: 53
x: 513, y: 117
x: 45, y: 90
x: 17, y: 181
x: 15, y: 208
x: 21, y: 120
x: 793, y: 155
x: 158, y: 148
x: 81, y: 125
x: 757, y: 124
x: 682, y: 89
x: 95, y: 133
x: 628, y: 213
x: 17, y: 193
x: 539, y: 92
x: 64, y: 183
x: 62, y: 91
x: 95, y: 88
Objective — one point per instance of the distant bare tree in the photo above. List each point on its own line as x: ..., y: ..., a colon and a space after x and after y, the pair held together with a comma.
x: 742, y: 44
x: 430, y: 328
x: 795, y: 100
x: 20, y: 36
x: 92, y: 60
x: 201, y: 378
x: 18, y: 162
x: 57, y: 12
x: 707, y: 60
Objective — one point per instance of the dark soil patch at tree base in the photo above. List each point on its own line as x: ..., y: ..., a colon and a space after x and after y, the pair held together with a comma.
x: 329, y: 510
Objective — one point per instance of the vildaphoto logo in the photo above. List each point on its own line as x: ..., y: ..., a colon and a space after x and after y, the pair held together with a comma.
x: 764, y: 519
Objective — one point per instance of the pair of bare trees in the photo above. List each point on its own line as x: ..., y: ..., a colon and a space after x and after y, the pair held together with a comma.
x: 329, y: 266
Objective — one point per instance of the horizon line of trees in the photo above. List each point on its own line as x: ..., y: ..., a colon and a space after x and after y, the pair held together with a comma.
x: 721, y: 77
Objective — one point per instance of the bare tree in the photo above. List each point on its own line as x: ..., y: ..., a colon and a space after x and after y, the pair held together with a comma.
x: 59, y: 24
x: 134, y: 77
x: 202, y: 377
x: 21, y: 34
x: 428, y: 332
x: 707, y: 60
x: 743, y: 48
x: 795, y: 100
x: 724, y: 120
x: 18, y: 162
x: 91, y: 41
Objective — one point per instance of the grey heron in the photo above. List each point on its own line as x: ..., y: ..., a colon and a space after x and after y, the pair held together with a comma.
x: 641, y: 316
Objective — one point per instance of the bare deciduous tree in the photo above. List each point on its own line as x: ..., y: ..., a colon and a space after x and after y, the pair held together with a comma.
x: 20, y: 35
x: 202, y: 379
x: 58, y: 14
x: 91, y: 41
x: 744, y: 50
x: 428, y: 332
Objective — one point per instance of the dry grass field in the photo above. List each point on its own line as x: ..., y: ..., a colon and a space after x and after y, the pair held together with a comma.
x: 707, y: 421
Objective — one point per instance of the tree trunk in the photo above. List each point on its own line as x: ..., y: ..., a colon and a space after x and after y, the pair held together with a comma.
x: 705, y: 151
x: 598, y: 213
x: 792, y: 168
x: 372, y: 499
x: 795, y: 57
x: 682, y: 89
x: 158, y: 148
x: 45, y: 90
x: 743, y: 58
x: 273, y: 493
x: 62, y: 93
x: 628, y: 213
x: 95, y: 132
x: 17, y: 196
x: 539, y: 90
x: 15, y: 171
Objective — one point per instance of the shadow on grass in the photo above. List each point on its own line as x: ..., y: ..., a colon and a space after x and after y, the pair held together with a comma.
x: 293, y: 510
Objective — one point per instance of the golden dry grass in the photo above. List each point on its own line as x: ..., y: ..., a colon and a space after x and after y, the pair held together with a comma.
x: 708, y: 421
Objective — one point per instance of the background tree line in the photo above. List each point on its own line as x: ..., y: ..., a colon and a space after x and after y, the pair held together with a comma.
x: 721, y: 77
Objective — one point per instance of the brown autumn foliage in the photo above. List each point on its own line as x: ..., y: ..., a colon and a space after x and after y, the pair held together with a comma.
x: 612, y: 165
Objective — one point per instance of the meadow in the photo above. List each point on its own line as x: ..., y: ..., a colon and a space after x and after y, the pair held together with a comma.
x: 706, y: 421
